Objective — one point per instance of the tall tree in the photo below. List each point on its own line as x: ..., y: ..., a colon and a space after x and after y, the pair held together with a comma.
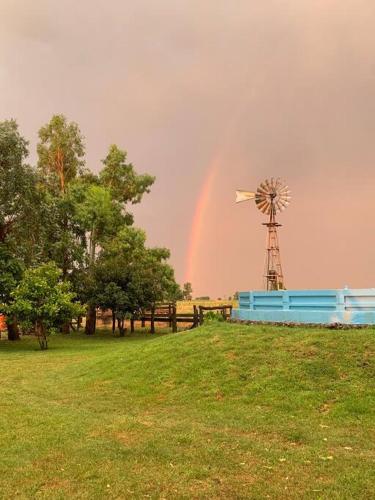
x: 99, y: 217
x: 61, y: 152
x: 19, y: 212
x: 60, y: 160
x: 102, y: 211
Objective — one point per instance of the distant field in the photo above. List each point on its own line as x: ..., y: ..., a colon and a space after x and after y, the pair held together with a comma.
x: 223, y: 411
x: 188, y: 305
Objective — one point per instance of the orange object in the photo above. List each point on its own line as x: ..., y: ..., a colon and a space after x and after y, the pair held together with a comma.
x: 3, y: 325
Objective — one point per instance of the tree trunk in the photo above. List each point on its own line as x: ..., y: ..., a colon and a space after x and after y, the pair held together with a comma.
x: 152, y: 329
x: 121, y: 327
x: 40, y: 331
x: 113, y: 322
x: 13, y: 330
x: 90, y: 320
x: 65, y: 327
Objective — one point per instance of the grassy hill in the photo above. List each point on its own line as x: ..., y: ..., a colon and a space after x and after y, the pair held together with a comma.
x: 223, y: 411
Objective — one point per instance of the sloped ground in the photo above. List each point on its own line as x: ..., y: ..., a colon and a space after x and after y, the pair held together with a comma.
x: 223, y: 411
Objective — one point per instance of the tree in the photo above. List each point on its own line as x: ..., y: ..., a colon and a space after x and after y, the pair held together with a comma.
x: 122, y: 180
x: 60, y: 161
x: 19, y: 213
x: 17, y: 185
x: 114, y: 298
x: 43, y: 301
x: 101, y: 210
x: 235, y: 296
x: 60, y: 152
x: 10, y: 276
x: 132, y: 276
x: 187, y: 291
x: 100, y: 217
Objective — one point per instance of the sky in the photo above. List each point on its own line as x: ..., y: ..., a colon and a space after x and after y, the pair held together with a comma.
x: 211, y: 96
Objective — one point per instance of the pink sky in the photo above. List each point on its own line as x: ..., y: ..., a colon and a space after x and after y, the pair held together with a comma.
x: 278, y: 88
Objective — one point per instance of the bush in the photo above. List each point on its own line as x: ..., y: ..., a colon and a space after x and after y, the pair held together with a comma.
x: 212, y: 316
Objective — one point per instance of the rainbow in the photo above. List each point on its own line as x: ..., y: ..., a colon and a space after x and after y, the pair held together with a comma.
x: 205, y: 194
x: 197, y: 226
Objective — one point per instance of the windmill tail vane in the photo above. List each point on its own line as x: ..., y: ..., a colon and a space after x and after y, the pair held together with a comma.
x: 271, y: 197
x: 244, y: 195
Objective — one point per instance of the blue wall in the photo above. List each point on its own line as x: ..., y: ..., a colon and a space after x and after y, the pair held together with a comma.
x: 308, y: 306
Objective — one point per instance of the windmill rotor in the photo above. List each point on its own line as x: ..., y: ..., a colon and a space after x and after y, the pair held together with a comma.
x: 272, y: 196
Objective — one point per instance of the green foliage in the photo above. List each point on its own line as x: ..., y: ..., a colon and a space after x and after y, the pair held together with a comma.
x: 62, y: 238
x: 60, y: 151
x: 99, y: 215
x: 10, y: 275
x: 18, y: 195
x: 78, y: 220
x: 122, y: 180
x: 43, y: 301
x: 132, y: 276
x: 60, y: 161
x: 212, y: 316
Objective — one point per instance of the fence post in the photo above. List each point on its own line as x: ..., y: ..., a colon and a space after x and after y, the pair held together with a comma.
x: 196, y: 317
x: 174, y: 318
x: 170, y: 314
x: 152, y: 330
x: 200, y: 315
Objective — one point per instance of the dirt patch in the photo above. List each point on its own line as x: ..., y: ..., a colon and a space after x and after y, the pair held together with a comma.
x: 231, y: 355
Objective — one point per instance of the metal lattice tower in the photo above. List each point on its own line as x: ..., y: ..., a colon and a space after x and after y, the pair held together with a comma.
x: 271, y: 197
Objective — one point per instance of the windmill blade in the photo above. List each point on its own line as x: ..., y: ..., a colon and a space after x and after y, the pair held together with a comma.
x: 267, y: 209
x: 279, y: 206
x: 279, y: 183
x: 263, y: 204
x: 263, y: 188
x: 244, y: 195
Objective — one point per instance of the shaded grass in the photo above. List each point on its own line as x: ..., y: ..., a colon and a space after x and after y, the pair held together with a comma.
x: 223, y: 411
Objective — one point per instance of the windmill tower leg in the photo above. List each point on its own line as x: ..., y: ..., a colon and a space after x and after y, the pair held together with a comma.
x: 273, y: 274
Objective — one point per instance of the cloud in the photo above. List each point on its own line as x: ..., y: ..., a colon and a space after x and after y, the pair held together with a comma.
x: 279, y: 88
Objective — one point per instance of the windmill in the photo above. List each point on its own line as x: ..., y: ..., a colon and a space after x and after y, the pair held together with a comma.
x: 271, y: 197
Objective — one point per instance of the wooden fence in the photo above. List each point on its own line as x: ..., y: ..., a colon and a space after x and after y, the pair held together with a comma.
x: 167, y: 313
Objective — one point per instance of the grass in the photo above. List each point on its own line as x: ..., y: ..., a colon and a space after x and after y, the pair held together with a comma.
x: 223, y: 411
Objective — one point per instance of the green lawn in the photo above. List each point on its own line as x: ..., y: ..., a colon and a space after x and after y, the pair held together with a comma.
x: 223, y: 411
